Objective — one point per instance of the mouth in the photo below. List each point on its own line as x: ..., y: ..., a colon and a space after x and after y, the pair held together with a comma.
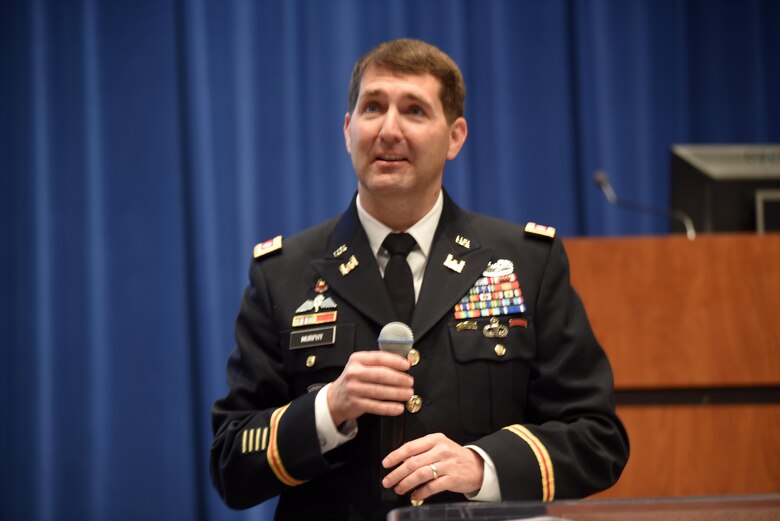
x: 390, y: 158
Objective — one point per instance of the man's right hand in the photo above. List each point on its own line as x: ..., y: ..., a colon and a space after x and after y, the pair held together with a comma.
x: 373, y: 382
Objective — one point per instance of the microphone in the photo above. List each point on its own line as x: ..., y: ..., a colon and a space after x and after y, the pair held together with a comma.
x: 395, y: 337
x: 602, y: 180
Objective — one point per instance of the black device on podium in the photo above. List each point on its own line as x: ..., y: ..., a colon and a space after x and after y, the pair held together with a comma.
x: 727, y: 188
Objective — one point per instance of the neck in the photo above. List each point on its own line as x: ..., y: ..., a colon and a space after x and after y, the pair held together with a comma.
x: 400, y: 214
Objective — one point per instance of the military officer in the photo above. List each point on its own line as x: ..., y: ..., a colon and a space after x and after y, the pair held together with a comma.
x: 506, y: 394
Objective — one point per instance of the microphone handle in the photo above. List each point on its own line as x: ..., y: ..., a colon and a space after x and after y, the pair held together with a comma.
x: 397, y: 338
x: 602, y: 180
x: 677, y: 215
x: 390, y: 438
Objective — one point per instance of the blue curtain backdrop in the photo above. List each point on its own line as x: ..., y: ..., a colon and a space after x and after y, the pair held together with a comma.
x: 146, y: 145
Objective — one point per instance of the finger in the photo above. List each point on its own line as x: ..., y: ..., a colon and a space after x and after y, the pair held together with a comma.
x: 356, y: 398
x: 379, y: 408
x: 381, y: 375
x: 412, y: 471
x: 354, y: 386
x: 431, y: 488
x: 358, y: 372
x: 463, y: 474
x: 381, y: 358
x: 409, y: 450
x: 379, y: 392
x: 423, y: 477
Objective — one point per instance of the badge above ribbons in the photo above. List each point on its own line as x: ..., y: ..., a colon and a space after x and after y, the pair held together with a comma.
x: 496, y: 293
x: 319, y: 302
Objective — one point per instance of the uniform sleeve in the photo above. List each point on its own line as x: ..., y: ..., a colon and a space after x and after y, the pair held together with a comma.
x: 571, y: 443
x: 265, y: 441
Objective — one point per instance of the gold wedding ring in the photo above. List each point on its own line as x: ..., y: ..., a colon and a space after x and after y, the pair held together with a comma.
x: 433, y: 469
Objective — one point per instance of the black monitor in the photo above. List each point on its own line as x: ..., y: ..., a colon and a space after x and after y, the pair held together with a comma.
x: 727, y: 188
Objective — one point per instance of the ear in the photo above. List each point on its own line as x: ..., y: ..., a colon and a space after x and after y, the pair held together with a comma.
x: 347, y: 137
x: 458, y: 132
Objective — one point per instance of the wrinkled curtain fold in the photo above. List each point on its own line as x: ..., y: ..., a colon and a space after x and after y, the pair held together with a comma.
x: 146, y: 146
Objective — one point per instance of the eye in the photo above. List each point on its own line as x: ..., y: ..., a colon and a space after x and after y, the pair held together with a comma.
x: 371, y: 107
x: 416, y: 110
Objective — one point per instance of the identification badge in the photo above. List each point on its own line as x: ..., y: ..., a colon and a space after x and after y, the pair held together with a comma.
x: 321, y: 336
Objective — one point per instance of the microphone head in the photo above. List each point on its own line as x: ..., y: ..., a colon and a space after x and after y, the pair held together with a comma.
x: 602, y: 180
x: 600, y: 176
x: 396, y: 337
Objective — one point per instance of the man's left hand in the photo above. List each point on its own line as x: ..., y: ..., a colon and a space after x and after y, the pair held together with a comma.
x: 432, y: 464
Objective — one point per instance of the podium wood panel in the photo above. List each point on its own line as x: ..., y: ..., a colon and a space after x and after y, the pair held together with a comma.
x: 676, y: 316
x: 674, y: 313
x: 700, y: 450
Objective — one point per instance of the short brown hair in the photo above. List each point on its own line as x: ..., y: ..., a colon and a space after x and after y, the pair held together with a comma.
x: 410, y: 56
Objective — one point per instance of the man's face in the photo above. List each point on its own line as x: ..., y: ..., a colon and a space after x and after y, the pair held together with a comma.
x: 398, y: 135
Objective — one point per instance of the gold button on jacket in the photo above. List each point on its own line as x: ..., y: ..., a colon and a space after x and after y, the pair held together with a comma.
x: 414, y: 404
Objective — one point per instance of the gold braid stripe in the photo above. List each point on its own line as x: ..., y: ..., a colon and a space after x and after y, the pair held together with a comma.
x: 274, y: 459
x: 542, y: 456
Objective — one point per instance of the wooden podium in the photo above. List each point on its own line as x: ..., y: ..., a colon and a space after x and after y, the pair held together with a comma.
x: 692, y: 329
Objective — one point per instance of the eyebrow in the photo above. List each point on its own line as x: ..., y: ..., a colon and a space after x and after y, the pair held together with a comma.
x: 380, y: 92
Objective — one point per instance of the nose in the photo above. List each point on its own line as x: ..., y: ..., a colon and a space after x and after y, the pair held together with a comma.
x: 391, y: 128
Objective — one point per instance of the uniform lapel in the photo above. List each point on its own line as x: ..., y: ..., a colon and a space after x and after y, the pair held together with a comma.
x: 361, y: 286
x: 443, y: 286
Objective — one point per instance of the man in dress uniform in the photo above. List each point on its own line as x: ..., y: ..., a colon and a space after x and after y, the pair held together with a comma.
x: 506, y: 394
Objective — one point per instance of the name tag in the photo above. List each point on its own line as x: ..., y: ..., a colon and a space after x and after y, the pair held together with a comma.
x: 321, y: 336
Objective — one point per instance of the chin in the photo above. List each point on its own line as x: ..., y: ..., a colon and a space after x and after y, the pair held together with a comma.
x: 387, y: 180
x: 387, y: 188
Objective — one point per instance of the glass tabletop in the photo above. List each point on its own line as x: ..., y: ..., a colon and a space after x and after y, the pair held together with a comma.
x: 717, y: 508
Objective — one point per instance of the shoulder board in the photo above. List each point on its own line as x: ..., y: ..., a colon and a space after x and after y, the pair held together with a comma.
x: 538, y: 229
x: 269, y: 246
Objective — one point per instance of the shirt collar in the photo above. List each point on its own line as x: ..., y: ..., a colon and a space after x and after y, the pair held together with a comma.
x: 422, y: 231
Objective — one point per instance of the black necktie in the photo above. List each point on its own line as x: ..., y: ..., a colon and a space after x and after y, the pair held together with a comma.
x: 398, y: 275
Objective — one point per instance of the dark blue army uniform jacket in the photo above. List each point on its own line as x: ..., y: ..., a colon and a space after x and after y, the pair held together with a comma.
x: 538, y: 400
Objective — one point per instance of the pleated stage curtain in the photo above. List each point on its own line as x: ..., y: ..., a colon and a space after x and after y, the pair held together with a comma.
x: 147, y: 145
